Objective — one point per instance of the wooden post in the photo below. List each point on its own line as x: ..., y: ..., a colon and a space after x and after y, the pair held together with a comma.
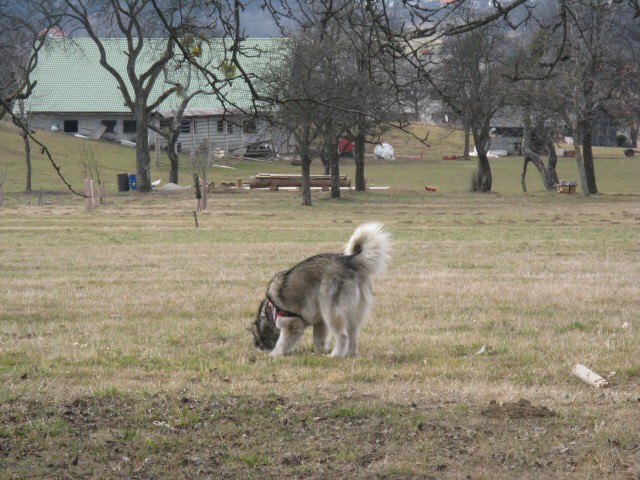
x: 196, y: 182
x: 93, y: 194
x: 205, y: 192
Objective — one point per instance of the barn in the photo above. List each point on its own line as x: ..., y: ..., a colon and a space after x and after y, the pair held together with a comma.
x: 76, y: 95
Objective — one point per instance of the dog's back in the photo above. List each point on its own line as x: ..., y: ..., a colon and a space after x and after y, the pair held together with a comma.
x: 302, y: 287
x: 332, y: 289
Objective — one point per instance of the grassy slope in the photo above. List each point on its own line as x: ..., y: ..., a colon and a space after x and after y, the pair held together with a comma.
x: 615, y: 173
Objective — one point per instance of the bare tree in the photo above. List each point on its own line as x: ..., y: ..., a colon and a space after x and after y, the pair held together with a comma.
x: 143, y: 34
x: 23, y: 33
x: 373, y: 105
x: 91, y: 167
x: 402, y: 31
x: 472, y: 80
x: 295, y: 94
x: 201, y: 161
x: 588, y: 74
x: 169, y: 123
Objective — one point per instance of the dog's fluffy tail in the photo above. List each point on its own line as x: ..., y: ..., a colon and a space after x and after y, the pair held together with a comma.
x: 370, y: 246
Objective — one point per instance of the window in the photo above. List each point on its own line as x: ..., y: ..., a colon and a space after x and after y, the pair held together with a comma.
x: 221, y: 126
x: 187, y: 125
x: 110, y: 126
x: 249, y: 126
x: 129, y: 126
x: 71, y: 126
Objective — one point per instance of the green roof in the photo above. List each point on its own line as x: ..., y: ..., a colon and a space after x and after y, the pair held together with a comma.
x: 71, y: 79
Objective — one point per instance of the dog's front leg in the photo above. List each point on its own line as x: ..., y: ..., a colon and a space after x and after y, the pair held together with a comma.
x: 291, y: 330
x: 342, y: 344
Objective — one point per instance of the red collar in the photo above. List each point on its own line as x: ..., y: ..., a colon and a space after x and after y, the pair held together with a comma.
x: 277, y: 312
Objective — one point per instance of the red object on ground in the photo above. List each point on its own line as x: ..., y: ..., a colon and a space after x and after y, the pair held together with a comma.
x: 430, y: 189
x: 450, y: 157
x: 344, y: 145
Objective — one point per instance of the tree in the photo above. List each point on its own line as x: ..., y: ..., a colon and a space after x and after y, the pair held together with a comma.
x: 169, y: 125
x: 295, y: 94
x: 349, y: 96
x: 24, y: 31
x: 590, y: 74
x: 472, y: 81
x: 372, y: 105
x: 143, y: 34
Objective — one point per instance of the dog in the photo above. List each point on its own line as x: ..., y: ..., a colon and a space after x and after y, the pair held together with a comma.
x: 330, y: 292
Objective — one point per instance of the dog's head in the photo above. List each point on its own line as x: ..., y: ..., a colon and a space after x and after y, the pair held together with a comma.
x: 264, y: 330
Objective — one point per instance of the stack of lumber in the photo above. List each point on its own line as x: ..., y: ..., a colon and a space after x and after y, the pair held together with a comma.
x: 268, y: 180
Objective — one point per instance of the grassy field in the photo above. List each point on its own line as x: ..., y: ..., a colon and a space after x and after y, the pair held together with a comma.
x: 124, y: 353
x: 417, y: 166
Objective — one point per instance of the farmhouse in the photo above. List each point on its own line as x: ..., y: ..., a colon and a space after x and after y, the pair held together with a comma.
x: 76, y: 95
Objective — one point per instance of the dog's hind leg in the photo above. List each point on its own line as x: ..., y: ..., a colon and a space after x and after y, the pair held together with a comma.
x: 357, y: 316
x: 320, y: 337
x: 291, y: 330
x: 353, y: 332
x: 341, y: 336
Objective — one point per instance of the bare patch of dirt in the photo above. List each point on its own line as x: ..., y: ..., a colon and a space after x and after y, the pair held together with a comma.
x: 521, y: 409
x: 123, y: 435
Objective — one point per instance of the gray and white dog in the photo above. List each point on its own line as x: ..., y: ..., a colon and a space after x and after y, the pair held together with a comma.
x: 330, y: 292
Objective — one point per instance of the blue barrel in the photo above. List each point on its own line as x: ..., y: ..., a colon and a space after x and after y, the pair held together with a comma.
x: 133, y: 184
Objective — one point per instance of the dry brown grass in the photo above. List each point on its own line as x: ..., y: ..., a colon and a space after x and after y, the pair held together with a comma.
x: 123, y: 351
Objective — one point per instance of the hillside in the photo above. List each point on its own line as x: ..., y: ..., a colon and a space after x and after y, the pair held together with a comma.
x: 417, y: 164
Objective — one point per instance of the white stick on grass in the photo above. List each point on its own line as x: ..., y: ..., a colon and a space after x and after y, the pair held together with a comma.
x: 590, y: 377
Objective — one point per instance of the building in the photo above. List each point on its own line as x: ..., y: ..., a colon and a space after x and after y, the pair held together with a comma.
x: 76, y: 95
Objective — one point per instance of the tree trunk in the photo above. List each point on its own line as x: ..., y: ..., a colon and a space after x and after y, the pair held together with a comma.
x: 633, y: 134
x: 552, y: 162
x: 174, y: 162
x: 523, y: 175
x: 532, y: 157
x: 326, y: 163
x: 27, y: 147
x: 143, y: 156
x: 465, y: 154
x: 334, y: 159
x: 587, y: 155
x: 482, y: 180
x: 306, y: 178
x: 583, y: 175
x: 27, y: 160
x: 359, y: 146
